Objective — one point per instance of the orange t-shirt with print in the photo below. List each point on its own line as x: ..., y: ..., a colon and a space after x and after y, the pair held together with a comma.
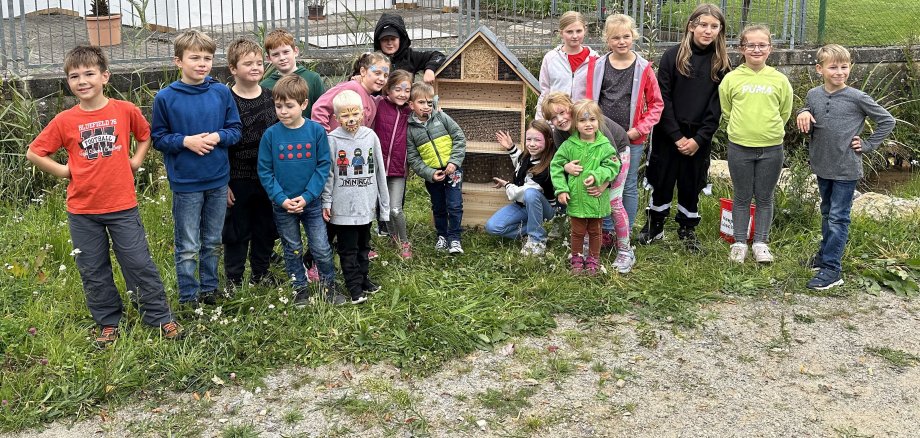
x: 98, y: 148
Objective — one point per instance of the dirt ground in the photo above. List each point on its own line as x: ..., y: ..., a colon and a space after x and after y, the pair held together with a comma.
x: 767, y: 366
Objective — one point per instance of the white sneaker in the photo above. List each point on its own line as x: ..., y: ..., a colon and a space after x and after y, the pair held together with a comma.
x: 533, y: 248
x: 442, y: 244
x: 624, y: 261
x: 738, y: 252
x: 455, y: 247
x: 762, y: 252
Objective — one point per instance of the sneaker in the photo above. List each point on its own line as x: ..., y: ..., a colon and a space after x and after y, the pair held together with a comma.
x: 208, y: 297
x: 171, y: 330
x: 592, y: 265
x: 533, y: 247
x: 624, y: 261
x: 652, y: 230
x: 455, y: 247
x: 332, y: 296
x: 313, y: 274
x: 607, y: 240
x: 441, y: 245
x: 371, y: 255
x: 825, y: 279
x: 577, y: 263
x: 358, y: 298
x: 738, y: 252
x: 107, y: 335
x: 762, y: 252
x: 688, y: 236
x: 369, y: 288
x: 302, y: 298
x: 406, y: 252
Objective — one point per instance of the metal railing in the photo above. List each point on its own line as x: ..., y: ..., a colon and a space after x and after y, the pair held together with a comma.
x: 35, y: 34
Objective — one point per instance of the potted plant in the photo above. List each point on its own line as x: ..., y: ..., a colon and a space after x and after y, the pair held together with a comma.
x: 316, y: 9
x: 103, y: 28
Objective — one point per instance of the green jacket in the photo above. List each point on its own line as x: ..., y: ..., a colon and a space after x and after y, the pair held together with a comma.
x: 314, y: 83
x: 431, y: 145
x: 756, y: 105
x: 599, y: 159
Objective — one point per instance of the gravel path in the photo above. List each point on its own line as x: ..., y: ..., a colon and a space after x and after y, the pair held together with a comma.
x: 788, y: 366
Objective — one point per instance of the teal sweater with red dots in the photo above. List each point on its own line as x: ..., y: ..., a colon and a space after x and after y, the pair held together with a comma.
x: 294, y: 162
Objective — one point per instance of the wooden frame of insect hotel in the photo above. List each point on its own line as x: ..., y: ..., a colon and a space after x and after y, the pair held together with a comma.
x: 483, y: 87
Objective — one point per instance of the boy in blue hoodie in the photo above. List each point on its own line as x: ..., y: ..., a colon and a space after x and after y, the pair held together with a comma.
x: 294, y: 164
x: 195, y: 120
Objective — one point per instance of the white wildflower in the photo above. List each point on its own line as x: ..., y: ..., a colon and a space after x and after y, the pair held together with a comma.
x: 75, y: 251
x: 140, y: 169
x: 62, y: 268
x: 283, y: 300
x: 199, y: 311
x: 271, y: 306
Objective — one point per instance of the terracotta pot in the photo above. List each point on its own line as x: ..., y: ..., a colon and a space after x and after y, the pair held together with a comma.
x: 105, y: 30
x: 316, y: 12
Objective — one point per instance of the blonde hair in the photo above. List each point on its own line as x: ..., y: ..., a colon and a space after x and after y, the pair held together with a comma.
x: 554, y: 98
x: 239, y: 48
x: 619, y: 21
x: 278, y: 38
x: 720, y: 61
x: 586, y: 106
x: 346, y: 99
x: 193, y: 40
x: 421, y: 89
x: 833, y: 53
x: 85, y: 56
x: 571, y: 17
x: 742, y: 37
x: 291, y: 86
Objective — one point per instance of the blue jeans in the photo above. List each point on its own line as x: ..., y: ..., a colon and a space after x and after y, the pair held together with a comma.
x: 199, y: 221
x: 631, y: 187
x: 514, y: 220
x: 836, y: 200
x: 289, y: 230
x: 447, y: 205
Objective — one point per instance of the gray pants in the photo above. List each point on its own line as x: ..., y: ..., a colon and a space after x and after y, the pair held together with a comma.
x: 754, y: 172
x: 90, y: 235
x: 397, y: 224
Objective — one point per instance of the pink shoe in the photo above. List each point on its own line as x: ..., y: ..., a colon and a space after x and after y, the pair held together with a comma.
x: 406, y: 252
x: 607, y: 240
x: 592, y: 265
x: 371, y: 255
x: 578, y: 264
x: 313, y: 274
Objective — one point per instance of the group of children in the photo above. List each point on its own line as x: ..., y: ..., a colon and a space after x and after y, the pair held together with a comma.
x: 251, y: 163
x: 695, y: 88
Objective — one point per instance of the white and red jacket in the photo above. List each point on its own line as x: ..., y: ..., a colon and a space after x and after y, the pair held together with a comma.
x: 556, y: 75
x: 645, y: 104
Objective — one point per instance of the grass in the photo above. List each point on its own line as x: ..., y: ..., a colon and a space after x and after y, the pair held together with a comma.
x: 896, y: 358
x: 506, y: 402
x: 432, y: 309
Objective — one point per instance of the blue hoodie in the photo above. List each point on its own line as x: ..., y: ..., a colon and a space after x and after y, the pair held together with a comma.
x: 180, y: 110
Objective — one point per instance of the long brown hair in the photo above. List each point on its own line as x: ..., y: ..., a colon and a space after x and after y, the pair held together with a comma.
x: 543, y: 127
x: 720, y: 61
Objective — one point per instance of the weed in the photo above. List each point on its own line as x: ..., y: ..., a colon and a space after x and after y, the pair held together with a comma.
x: 293, y: 416
x: 850, y: 432
x: 803, y: 318
x: 598, y: 367
x: 506, y: 402
x: 646, y: 336
x: 782, y: 341
x: 240, y: 431
x: 896, y: 358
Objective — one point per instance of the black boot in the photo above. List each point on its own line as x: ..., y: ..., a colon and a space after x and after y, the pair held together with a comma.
x: 687, y: 234
x: 652, y: 230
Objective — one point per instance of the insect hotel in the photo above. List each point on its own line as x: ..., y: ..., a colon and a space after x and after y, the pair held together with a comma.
x: 483, y: 87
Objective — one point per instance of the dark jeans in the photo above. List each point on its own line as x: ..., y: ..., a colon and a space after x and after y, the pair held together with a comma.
x: 90, y: 234
x: 447, y: 205
x: 249, y: 230
x: 354, y: 242
x: 289, y: 229
x: 836, y: 201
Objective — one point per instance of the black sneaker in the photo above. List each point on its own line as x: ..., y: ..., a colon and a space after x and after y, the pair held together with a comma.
x: 358, y: 298
x: 688, y: 236
x: 652, y: 230
x: 332, y: 296
x: 369, y: 287
x: 824, y: 279
x: 302, y: 298
x: 208, y: 297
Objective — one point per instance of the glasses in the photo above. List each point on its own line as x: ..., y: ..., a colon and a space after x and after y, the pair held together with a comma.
x: 753, y: 47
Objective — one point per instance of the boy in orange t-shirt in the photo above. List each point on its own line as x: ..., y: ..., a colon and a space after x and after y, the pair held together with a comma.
x: 101, y: 201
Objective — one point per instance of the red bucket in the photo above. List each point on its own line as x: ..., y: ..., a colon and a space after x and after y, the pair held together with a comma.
x: 726, y: 225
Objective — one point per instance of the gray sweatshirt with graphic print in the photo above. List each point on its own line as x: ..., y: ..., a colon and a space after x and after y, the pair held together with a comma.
x: 357, y: 180
x: 840, y: 116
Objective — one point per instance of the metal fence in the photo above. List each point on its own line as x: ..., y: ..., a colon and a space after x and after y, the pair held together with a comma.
x: 35, y: 34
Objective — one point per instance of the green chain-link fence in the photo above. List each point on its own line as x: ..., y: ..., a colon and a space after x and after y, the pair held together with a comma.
x: 862, y: 22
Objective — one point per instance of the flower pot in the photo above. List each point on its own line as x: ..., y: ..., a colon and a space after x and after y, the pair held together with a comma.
x: 105, y: 30
x: 316, y: 12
